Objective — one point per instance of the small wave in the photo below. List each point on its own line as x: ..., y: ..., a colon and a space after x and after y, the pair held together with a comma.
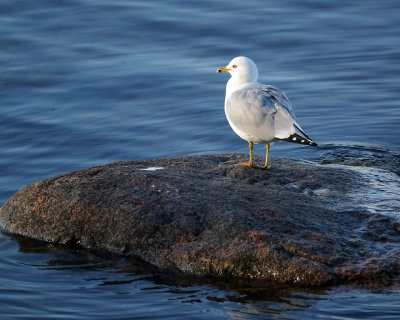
x: 379, y: 169
x: 359, y: 155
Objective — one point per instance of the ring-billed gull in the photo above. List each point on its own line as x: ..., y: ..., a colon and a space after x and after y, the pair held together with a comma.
x: 259, y: 113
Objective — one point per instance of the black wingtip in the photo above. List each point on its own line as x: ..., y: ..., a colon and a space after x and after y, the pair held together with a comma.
x: 296, y: 138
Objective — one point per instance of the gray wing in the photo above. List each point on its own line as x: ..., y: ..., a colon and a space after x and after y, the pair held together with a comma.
x: 285, y: 109
x: 263, y: 112
x: 278, y: 97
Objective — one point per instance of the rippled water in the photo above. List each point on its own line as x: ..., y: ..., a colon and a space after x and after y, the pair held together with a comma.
x: 45, y: 282
x: 85, y: 82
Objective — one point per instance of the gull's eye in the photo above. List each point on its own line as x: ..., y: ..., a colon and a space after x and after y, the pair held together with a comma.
x: 234, y: 66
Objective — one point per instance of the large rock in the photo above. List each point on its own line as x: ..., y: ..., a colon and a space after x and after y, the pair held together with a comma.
x: 295, y: 223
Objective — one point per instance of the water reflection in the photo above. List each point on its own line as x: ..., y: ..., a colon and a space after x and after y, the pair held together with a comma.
x: 72, y: 274
x: 77, y: 269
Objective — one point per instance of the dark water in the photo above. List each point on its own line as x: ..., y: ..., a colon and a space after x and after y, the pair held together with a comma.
x: 85, y: 82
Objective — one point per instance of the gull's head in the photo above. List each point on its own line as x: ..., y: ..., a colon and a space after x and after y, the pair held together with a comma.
x: 242, y: 69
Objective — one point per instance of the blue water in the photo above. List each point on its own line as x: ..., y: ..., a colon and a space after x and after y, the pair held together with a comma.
x: 86, y: 82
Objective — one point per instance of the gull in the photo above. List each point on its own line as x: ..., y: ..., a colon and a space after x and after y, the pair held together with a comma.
x: 259, y: 113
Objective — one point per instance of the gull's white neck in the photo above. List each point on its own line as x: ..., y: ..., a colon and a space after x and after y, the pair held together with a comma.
x: 233, y: 84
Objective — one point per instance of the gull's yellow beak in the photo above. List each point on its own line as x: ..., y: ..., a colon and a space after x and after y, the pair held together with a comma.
x: 223, y: 69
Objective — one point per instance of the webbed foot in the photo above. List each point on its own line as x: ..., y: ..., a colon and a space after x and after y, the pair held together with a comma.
x: 244, y: 164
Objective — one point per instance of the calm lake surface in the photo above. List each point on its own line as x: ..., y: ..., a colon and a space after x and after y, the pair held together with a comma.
x: 86, y: 82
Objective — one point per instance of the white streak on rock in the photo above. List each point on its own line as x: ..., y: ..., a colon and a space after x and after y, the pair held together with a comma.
x: 152, y: 168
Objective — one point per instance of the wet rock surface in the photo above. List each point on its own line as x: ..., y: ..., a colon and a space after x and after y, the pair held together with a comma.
x: 294, y: 224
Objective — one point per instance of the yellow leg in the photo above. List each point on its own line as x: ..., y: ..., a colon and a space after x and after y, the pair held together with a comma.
x: 250, y: 164
x: 265, y: 167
